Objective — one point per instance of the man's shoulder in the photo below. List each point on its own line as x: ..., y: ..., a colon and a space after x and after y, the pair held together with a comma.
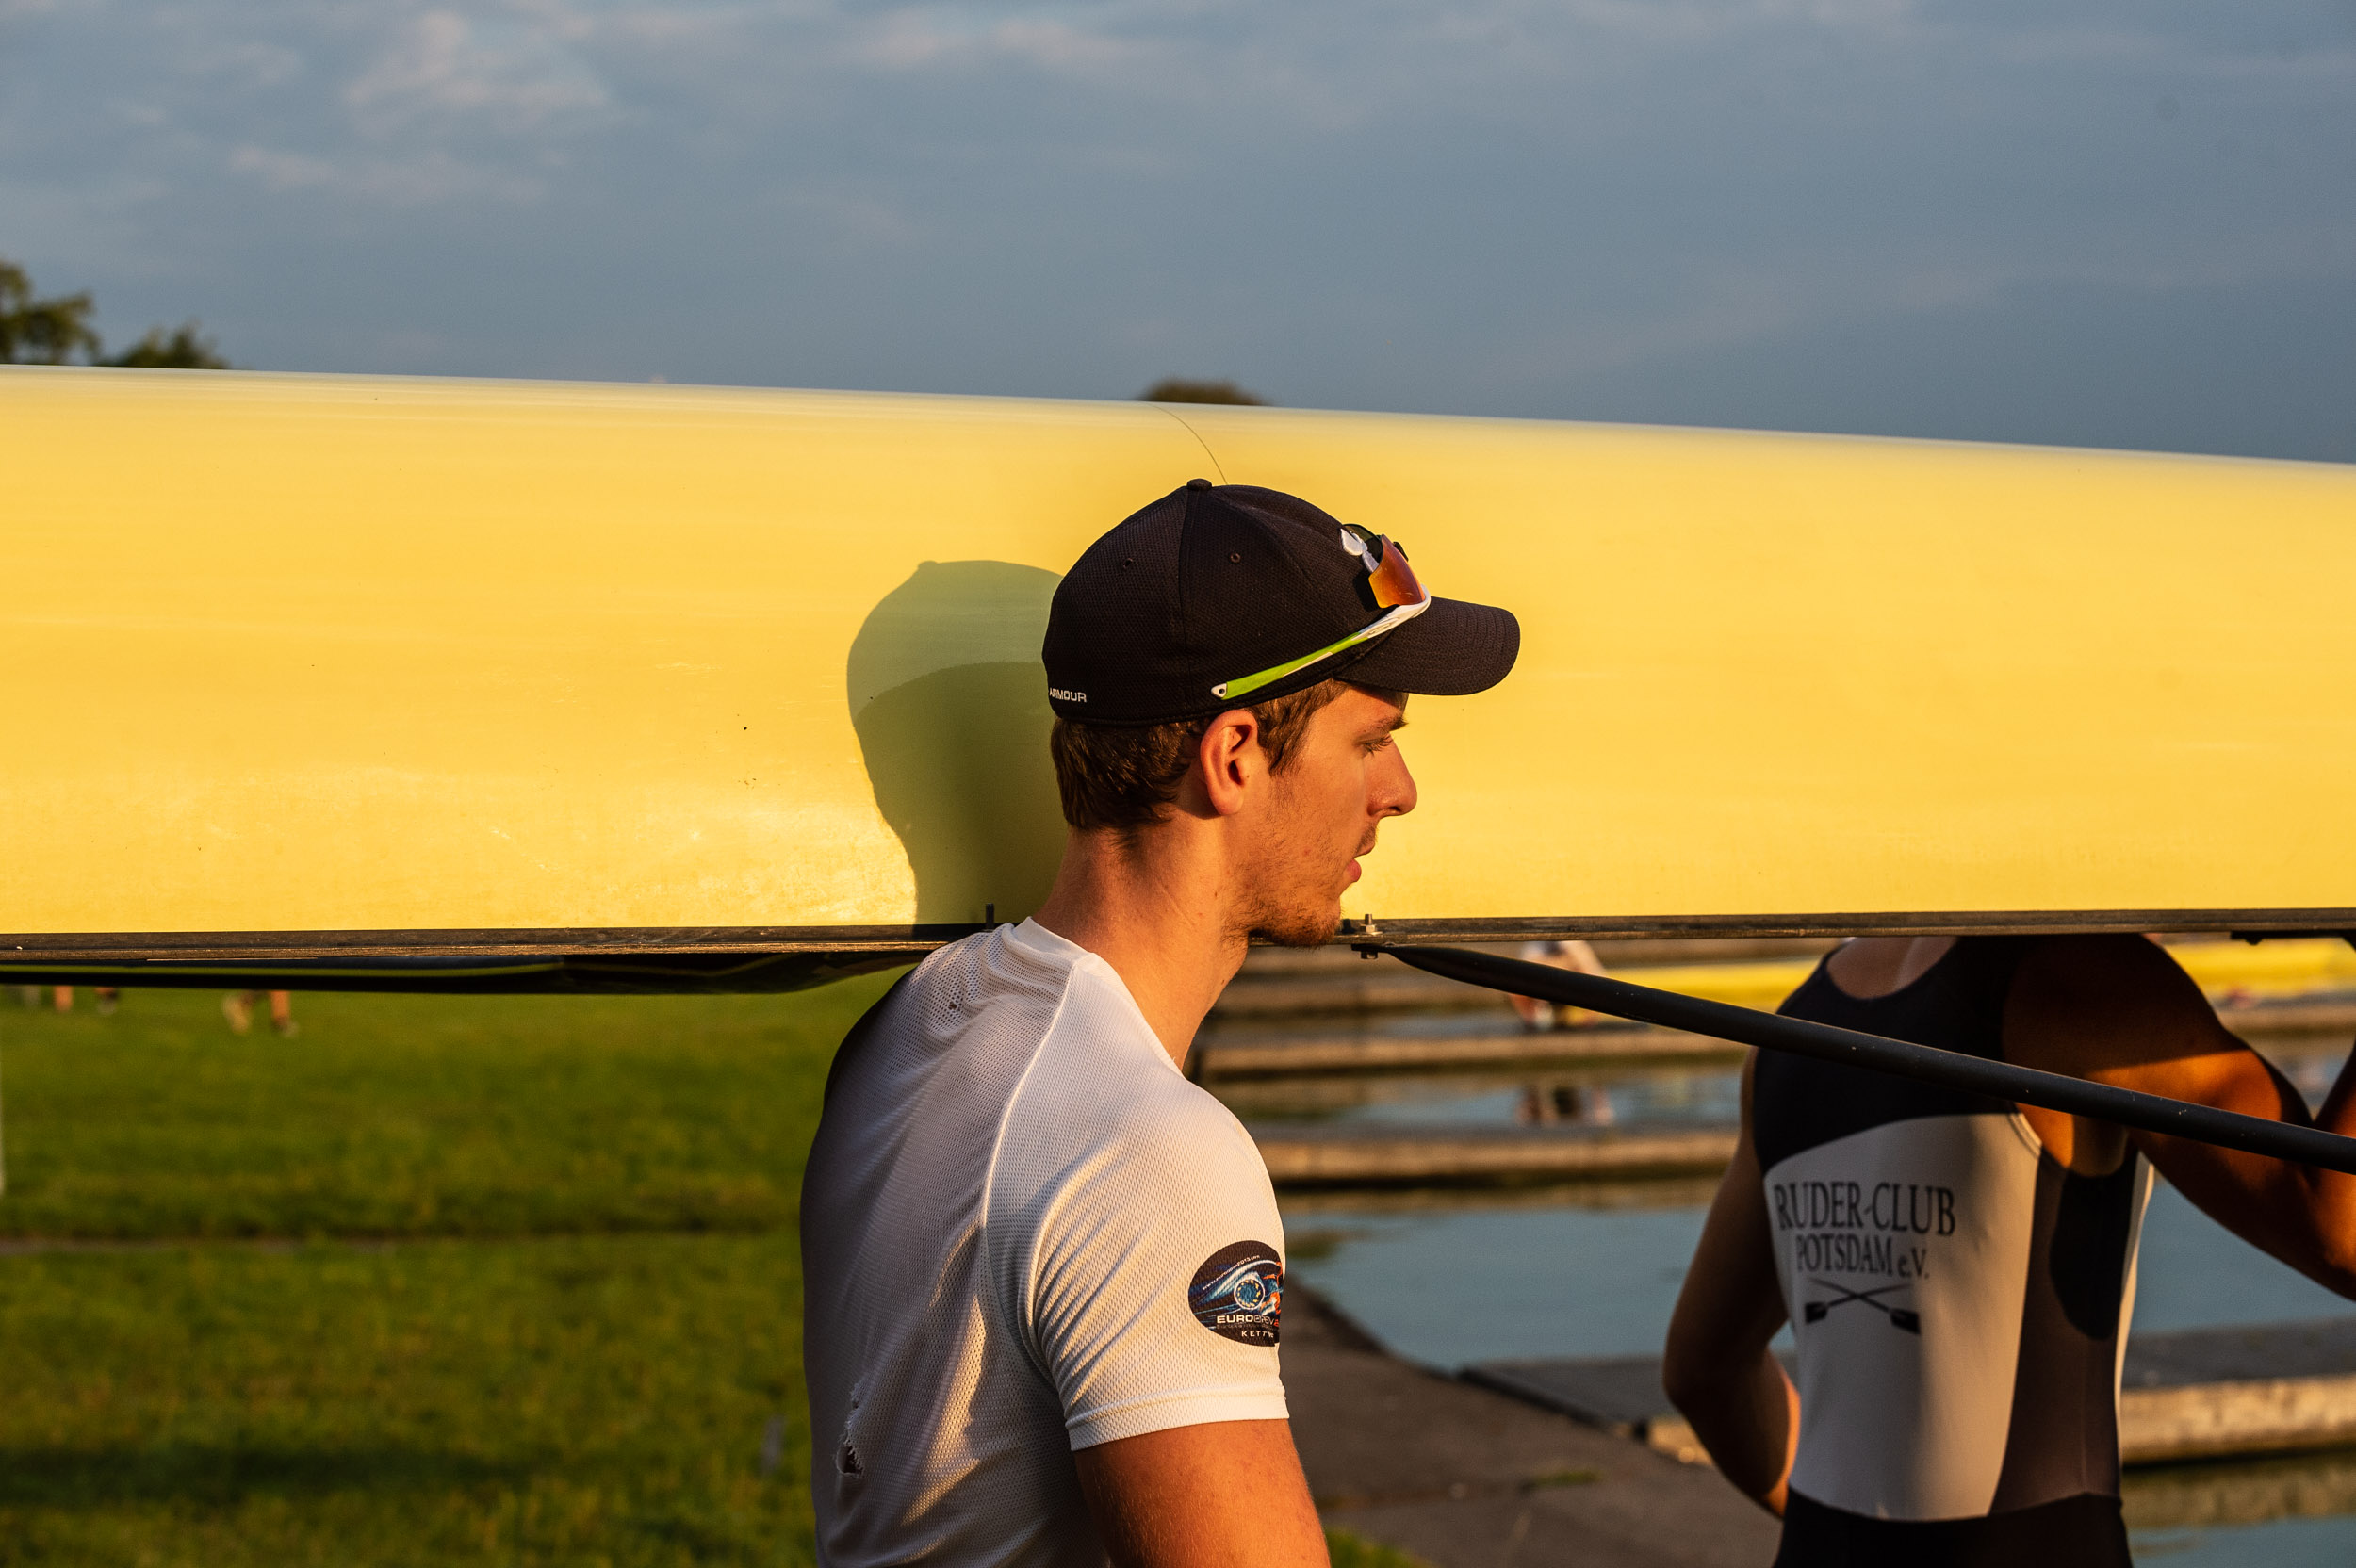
x: 964, y: 1022
x: 2086, y: 1004
x: 985, y: 976
x: 1103, y: 1082
x: 1055, y: 1025
x: 2114, y: 978
x: 1099, y: 1042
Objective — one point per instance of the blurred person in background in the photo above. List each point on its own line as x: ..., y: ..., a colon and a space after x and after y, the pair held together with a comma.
x: 61, y: 998
x: 238, y: 1008
x: 1570, y: 954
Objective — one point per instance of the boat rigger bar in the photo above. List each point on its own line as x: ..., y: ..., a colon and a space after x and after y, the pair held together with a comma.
x: 2151, y: 1112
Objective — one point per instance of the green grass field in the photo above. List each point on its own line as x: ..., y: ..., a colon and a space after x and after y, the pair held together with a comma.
x: 438, y: 1281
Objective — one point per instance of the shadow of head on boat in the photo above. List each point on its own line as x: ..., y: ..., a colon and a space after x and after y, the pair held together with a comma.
x: 949, y: 702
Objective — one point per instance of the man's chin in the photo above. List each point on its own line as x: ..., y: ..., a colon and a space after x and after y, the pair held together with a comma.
x: 1302, y: 928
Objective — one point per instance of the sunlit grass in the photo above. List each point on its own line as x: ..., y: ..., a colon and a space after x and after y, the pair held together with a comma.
x: 414, y: 1115
x: 1349, y: 1549
x: 578, y: 1399
x: 541, y: 1303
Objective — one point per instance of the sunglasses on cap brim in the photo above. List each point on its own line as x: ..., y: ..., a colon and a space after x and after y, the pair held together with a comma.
x: 1396, y: 592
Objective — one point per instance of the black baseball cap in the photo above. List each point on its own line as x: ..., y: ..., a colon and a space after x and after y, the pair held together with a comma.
x: 1214, y: 586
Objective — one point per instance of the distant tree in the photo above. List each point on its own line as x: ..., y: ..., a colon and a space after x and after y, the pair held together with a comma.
x: 1177, y: 389
x: 183, y: 348
x: 41, y: 332
x: 54, y: 330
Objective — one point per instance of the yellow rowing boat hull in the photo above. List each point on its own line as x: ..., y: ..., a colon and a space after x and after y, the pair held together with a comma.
x: 298, y: 667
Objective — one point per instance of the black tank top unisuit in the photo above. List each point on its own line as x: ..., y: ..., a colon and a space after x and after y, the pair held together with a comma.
x: 1959, y: 1300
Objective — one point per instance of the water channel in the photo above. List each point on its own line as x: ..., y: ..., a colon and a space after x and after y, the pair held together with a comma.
x: 1449, y: 1278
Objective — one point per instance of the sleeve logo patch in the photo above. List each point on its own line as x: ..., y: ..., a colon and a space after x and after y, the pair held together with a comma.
x: 1239, y: 1293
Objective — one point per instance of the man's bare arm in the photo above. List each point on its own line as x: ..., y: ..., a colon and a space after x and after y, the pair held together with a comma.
x: 1718, y: 1370
x: 2120, y: 1010
x: 1223, y: 1495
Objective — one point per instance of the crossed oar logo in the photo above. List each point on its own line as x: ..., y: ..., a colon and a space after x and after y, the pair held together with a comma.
x: 1899, y: 1317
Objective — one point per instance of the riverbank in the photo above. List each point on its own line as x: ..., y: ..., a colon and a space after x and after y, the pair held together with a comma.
x: 1461, y: 1476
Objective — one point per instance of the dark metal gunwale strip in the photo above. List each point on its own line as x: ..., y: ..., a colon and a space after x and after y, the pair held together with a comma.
x: 544, y: 944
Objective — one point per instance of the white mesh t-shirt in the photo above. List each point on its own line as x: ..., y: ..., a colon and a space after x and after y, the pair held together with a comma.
x: 1024, y: 1233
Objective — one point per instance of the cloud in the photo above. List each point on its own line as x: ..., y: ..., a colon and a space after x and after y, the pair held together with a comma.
x: 912, y: 38
x: 1523, y: 206
x: 248, y: 65
x: 283, y: 170
x: 512, y: 73
x: 419, y: 180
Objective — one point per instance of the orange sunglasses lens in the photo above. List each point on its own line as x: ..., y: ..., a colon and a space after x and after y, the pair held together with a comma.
x: 1393, y: 580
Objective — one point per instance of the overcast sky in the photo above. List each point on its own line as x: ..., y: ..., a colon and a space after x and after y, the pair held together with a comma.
x: 2126, y: 223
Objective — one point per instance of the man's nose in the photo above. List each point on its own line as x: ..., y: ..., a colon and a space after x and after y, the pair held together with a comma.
x: 1394, y: 791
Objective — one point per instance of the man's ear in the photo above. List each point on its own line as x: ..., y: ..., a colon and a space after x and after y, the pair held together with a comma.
x: 1227, y: 759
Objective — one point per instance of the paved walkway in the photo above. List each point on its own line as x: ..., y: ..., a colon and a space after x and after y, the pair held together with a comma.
x: 1464, y: 1477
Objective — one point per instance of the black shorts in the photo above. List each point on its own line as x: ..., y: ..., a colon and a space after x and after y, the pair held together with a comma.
x: 2085, y: 1531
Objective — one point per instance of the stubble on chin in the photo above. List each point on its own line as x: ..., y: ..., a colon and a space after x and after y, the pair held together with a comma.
x: 1299, y: 928
x: 1304, y: 916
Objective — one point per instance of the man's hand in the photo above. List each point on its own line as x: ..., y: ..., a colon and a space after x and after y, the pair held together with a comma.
x: 1220, y: 1495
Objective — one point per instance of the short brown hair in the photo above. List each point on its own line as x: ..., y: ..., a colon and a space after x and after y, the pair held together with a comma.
x: 1123, y: 778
